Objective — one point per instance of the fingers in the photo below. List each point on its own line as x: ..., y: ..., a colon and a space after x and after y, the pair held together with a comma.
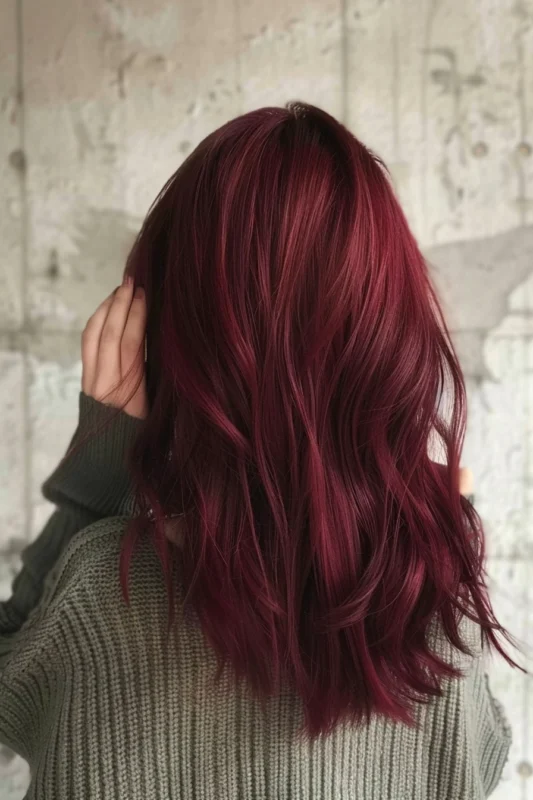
x: 113, y: 351
x: 132, y: 348
x: 108, y: 368
x: 90, y: 344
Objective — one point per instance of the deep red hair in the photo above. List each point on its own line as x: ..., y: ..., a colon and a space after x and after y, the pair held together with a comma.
x: 298, y: 365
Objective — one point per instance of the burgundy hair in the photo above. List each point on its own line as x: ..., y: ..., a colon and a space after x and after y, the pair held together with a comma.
x: 297, y: 363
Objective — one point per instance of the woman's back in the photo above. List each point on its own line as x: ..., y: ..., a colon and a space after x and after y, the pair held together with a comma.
x: 125, y: 712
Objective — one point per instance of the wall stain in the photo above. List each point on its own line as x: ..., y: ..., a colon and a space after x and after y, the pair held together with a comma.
x: 83, y: 139
x: 53, y: 265
x: 480, y: 149
x: 17, y: 159
x: 122, y: 69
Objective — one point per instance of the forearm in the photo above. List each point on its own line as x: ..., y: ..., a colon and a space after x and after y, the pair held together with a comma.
x: 37, y: 560
x: 91, y: 485
x: 96, y: 478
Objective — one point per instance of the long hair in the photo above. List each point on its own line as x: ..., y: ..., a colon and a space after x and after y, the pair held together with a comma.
x: 298, y: 366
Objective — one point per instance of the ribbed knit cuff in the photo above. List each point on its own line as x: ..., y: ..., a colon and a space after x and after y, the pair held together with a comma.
x: 96, y: 477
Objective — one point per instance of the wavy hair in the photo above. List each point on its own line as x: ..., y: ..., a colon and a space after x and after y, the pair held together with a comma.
x: 298, y: 364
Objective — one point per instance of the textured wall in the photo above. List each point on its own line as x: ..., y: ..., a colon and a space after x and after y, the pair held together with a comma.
x: 100, y: 100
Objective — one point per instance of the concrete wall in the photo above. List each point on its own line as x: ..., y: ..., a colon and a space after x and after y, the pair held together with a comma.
x: 100, y: 100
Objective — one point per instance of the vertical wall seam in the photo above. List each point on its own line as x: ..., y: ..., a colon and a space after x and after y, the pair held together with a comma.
x: 428, y: 32
x: 238, y: 63
x: 344, y: 61
x: 395, y: 83
x: 522, y: 117
x: 522, y: 206
x: 26, y: 418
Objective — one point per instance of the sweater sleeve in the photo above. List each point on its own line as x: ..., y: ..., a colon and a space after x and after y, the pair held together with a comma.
x: 90, y: 485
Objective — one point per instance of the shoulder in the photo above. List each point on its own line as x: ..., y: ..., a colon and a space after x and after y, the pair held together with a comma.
x: 88, y: 574
x: 36, y: 640
x: 90, y: 565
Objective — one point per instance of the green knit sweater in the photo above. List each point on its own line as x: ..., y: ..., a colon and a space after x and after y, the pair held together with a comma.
x: 101, y: 709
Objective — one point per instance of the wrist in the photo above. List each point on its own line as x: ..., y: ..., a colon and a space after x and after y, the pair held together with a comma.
x: 95, y: 473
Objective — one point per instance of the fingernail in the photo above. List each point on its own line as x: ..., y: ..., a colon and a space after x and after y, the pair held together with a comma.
x: 139, y: 292
x: 128, y: 280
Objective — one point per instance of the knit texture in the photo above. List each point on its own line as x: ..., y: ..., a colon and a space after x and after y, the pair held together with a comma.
x: 103, y: 705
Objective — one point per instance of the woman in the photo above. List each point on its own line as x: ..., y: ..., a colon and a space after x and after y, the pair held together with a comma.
x: 305, y: 605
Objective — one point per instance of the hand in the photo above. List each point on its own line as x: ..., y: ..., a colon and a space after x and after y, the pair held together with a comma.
x: 112, y: 347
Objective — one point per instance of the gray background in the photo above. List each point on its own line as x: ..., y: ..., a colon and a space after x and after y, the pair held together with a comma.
x: 101, y: 100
